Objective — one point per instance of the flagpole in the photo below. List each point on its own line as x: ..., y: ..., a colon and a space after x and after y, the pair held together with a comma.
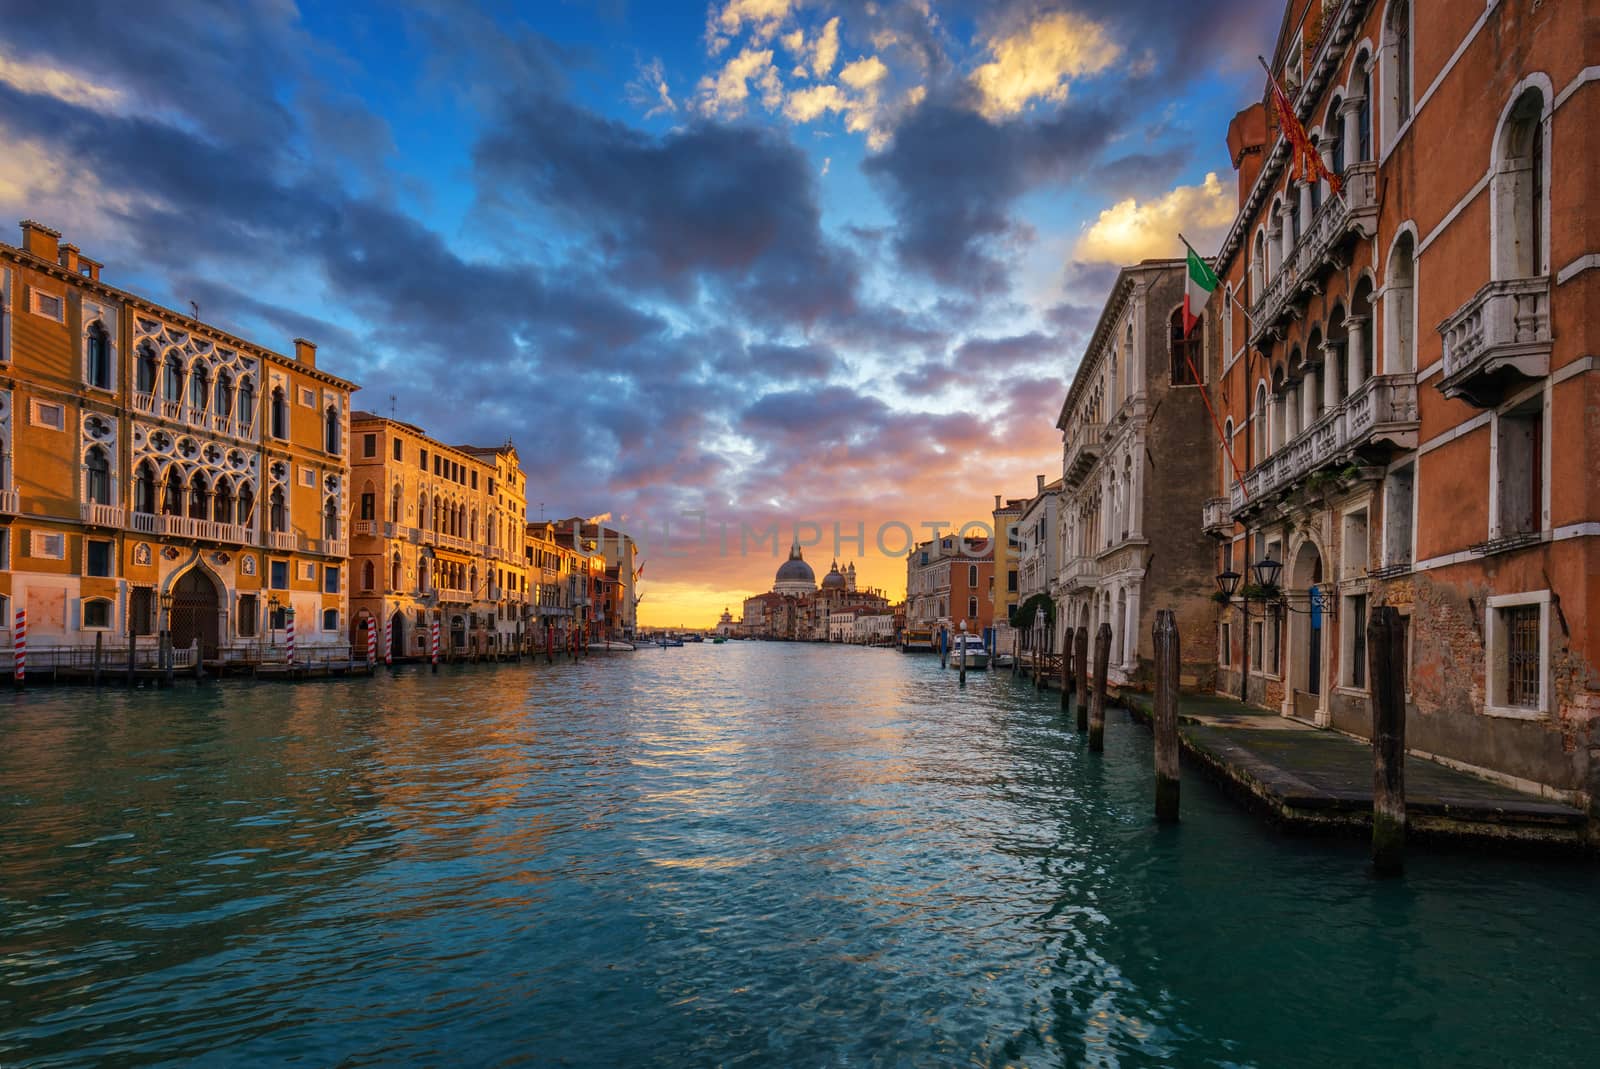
x: 1216, y: 424
x: 1337, y: 185
x: 1232, y: 296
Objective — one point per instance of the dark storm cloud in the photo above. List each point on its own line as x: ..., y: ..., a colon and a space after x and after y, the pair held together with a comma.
x: 730, y: 206
x: 952, y: 176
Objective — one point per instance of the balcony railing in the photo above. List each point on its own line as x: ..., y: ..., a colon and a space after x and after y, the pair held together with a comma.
x: 233, y: 426
x: 1079, y: 572
x: 1384, y: 408
x: 200, y: 530
x: 364, y: 528
x: 1215, y: 517
x: 1082, y: 449
x: 102, y: 515
x: 10, y: 503
x: 281, y: 540
x: 1338, y: 218
x: 1500, y: 337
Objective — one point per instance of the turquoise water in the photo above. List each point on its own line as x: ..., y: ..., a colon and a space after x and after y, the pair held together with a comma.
x: 751, y: 854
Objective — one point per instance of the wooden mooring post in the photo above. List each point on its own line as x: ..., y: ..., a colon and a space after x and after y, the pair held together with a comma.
x: 1097, y: 704
x: 1080, y: 659
x: 1165, y: 634
x: 133, y: 649
x: 1386, y: 645
x: 99, y: 655
x: 1066, y: 669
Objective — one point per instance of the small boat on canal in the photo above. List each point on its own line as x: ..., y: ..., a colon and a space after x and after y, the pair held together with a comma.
x: 977, y: 656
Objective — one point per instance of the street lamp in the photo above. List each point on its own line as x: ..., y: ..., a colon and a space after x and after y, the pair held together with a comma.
x: 273, y: 605
x: 166, y: 637
x: 1228, y: 582
x: 1267, y: 571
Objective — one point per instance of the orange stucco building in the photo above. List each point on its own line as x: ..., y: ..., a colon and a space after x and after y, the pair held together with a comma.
x: 1411, y: 393
x: 161, y: 473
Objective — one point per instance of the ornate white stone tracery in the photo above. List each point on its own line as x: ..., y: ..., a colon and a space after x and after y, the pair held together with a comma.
x: 196, y: 353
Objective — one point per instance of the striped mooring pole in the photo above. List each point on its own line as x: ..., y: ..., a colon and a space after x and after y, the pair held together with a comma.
x: 433, y: 635
x: 19, y: 648
x: 388, y: 642
x: 372, y: 642
x: 288, y: 640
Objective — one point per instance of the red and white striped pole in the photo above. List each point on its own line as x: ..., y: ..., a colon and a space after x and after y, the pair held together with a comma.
x: 19, y: 647
x: 288, y: 637
x: 388, y: 642
x: 372, y: 642
x: 433, y: 636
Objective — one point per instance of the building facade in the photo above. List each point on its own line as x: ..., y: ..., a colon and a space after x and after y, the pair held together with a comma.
x: 1137, y: 455
x: 161, y: 474
x: 950, y: 580
x: 1038, y: 541
x: 1410, y: 398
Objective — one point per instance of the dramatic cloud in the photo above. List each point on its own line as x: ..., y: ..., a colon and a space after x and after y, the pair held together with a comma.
x: 1039, y: 62
x: 1128, y: 231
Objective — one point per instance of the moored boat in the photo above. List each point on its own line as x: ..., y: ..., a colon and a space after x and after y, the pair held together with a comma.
x: 977, y: 656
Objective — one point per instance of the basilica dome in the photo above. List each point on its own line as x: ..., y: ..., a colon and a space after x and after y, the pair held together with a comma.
x: 795, y: 575
x: 834, y: 580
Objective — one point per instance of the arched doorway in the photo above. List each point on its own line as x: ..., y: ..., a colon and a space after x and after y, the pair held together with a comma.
x: 196, y: 613
x: 397, y: 635
x: 1305, y: 685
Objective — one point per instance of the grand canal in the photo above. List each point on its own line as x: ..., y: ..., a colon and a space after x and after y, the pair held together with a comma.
x: 758, y: 855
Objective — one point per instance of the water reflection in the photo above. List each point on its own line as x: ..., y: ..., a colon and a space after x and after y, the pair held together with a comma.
x: 753, y: 854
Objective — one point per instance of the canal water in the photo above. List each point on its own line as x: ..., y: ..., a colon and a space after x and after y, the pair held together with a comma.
x: 750, y: 854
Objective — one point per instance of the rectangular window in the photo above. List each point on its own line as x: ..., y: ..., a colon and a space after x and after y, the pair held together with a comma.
x: 96, y: 614
x: 249, y: 612
x: 972, y: 608
x: 97, y: 558
x: 48, y: 545
x: 399, y: 450
x: 369, y: 506
x: 1258, y: 643
x: 278, y: 575
x: 1274, y: 633
x: 1519, y: 482
x: 278, y: 619
x: 369, y: 445
x: 1398, y: 497
x: 422, y: 459
x: 308, y: 571
x: 1225, y: 646
x: 142, y: 610
x: 308, y: 397
x: 49, y: 305
x: 308, y: 477
x: 1353, y: 559
x: 1011, y: 580
x: 1355, y: 643
x: 5, y: 549
x: 330, y: 579
x: 330, y: 619
x: 1516, y: 653
x: 474, y: 480
x: 47, y: 414
x: 972, y: 576
x: 5, y: 612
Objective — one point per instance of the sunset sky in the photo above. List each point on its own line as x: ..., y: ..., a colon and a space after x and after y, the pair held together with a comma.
x: 762, y: 261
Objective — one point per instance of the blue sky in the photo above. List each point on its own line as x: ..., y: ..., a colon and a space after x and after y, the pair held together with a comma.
x: 765, y: 260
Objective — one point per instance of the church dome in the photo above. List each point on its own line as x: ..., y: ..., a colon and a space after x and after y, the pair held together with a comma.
x: 833, y: 580
x: 794, y: 573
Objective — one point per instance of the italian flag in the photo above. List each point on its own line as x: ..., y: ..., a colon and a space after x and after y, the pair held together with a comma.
x: 1198, y: 286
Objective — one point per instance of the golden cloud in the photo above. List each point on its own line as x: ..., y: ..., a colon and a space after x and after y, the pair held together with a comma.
x: 1039, y: 63
x: 1128, y: 231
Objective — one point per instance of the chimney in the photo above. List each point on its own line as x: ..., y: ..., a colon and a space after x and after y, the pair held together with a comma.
x: 40, y: 240
x: 305, y: 352
x: 1247, y: 138
x: 68, y: 257
x: 1038, y: 483
x: 997, y: 502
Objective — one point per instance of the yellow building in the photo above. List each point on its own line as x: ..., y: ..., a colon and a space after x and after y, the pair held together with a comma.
x: 561, y: 578
x: 437, y: 536
x: 159, y: 472
x: 1003, y: 584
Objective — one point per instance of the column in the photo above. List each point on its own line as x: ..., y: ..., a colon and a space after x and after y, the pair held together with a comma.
x: 1330, y: 375
x: 1130, y: 647
x: 1351, y: 138
x: 1305, y: 206
x: 1308, y: 399
x: 1355, y: 371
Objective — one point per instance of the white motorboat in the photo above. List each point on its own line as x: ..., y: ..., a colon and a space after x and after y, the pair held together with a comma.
x: 614, y: 645
x: 977, y: 656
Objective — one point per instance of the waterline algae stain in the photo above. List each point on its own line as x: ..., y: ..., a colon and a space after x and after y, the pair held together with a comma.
x: 762, y: 854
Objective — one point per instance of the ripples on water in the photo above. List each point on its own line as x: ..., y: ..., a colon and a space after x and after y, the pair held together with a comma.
x: 746, y: 854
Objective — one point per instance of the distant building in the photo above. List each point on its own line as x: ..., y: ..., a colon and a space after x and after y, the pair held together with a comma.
x: 1137, y: 456
x: 798, y: 609
x: 948, y: 581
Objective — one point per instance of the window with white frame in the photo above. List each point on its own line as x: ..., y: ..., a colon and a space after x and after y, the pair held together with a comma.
x: 1353, y: 547
x: 1519, y: 469
x: 1518, y: 191
x: 1353, y: 643
x: 1517, y: 653
x: 1399, y: 499
x: 98, y: 557
x: 96, y: 614
x: 1225, y: 645
x: 49, y: 305
x: 5, y: 612
x: 308, y: 397
x: 308, y: 477
x: 47, y: 414
x: 48, y: 545
x: 330, y: 619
